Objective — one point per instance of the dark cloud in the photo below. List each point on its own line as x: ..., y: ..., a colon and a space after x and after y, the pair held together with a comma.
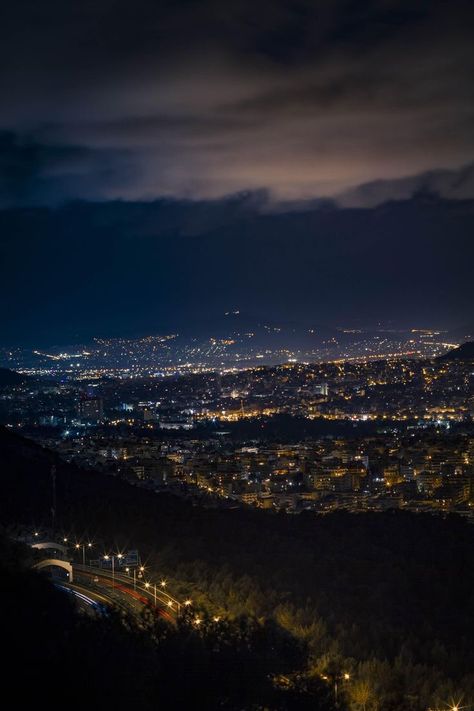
x: 205, y: 98
x: 33, y: 173
x: 451, y: 184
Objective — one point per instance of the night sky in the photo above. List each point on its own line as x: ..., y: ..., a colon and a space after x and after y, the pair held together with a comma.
x: 162, y: 162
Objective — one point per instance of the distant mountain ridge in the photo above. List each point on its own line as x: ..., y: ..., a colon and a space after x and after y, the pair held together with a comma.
x: 183, y: 260
x: 463, y: 352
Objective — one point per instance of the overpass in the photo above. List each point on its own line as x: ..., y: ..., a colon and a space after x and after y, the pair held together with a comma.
x: 138, y: 591
x: 55, y: 563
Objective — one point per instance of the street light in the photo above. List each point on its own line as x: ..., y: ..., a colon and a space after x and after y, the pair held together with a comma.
x: 83, y: 546
x: 342, y: 677
x: 107, y: 557
x: 163, y: 583
x: 112, y: 557
x: 187, y: 603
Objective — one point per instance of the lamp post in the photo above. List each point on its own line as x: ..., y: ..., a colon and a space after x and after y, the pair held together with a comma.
x: 342, y: 677
x: 107, y: 557
x: 83, y: 546
x: 119, y: 556
x: 112, y: 558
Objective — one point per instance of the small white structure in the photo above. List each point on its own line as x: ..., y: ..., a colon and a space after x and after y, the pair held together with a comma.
x: 57, y: 562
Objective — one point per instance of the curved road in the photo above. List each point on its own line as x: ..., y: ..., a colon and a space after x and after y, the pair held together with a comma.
x: 119, y: 590
x: 87, y: 599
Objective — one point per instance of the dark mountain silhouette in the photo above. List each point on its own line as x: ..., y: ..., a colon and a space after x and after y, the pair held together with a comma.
x: 10, y: 377
x: 464, y: 352
x: 182, y: 259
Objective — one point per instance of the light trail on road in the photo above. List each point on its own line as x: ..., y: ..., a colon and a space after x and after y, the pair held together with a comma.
x: 143, y: 600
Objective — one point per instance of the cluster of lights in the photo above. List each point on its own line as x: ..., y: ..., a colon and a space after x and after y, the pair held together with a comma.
x: 171, y: 602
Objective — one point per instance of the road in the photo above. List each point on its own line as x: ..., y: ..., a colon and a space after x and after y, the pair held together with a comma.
x: 86, y: 599
x: 120, y: 590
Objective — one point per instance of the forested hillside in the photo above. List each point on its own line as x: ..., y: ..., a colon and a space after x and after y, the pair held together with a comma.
x: 386, y: 598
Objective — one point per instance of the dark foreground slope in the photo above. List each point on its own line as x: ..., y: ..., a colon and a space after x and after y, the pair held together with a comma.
x: 10, y: 377
x: 78, y: 661
x: 389, y: 595
x: 463, y: 352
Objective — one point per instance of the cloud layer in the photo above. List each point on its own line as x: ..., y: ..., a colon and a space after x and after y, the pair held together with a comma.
x: 107, y: 99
